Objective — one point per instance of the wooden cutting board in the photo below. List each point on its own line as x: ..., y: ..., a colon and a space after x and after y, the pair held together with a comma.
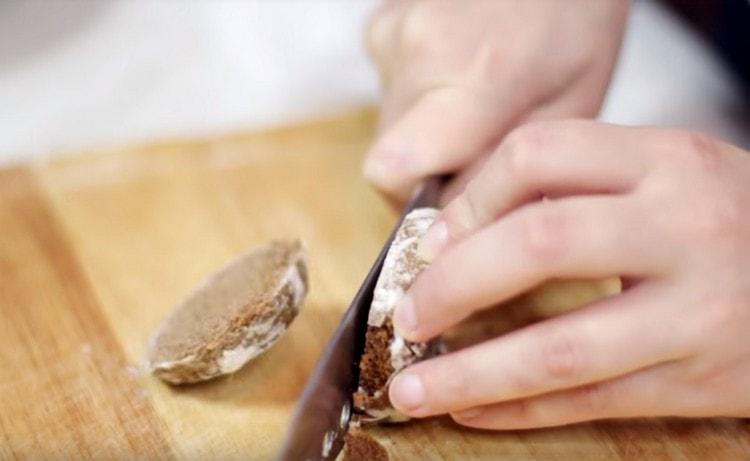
x: 95, y: 248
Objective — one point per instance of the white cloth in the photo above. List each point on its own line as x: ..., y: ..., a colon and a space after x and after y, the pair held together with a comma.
x: 86, y: 73
x: 80, y: 73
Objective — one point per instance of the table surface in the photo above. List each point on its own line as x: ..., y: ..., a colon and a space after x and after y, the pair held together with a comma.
x: 95, y: 249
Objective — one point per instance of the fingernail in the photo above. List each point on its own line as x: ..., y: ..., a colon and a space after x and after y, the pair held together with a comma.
x: 433, y: 241
x: 407, y: 392
x: 405, y: 317
x: 471, y: 413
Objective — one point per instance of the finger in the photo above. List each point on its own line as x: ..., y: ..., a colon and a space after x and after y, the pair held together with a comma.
x: 561, y: 107
x: 457, y: 184
x: 441, y: 132
x: 646, y: 393
x: 397, y: 99
x: 571, y: 238
x: 381, y: 37
x: 383, y: 33
x: 542, y: 159
x: 584, y: 346
x: 576, y: 101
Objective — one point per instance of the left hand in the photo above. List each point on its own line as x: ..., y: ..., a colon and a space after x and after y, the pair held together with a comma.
x: 668, y: 210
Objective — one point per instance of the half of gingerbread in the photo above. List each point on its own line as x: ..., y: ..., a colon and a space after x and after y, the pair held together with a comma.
x: 386, y: 352
x: 233, y: 316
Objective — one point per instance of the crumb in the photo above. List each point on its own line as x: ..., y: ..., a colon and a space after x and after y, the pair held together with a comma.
x: 359, y: 446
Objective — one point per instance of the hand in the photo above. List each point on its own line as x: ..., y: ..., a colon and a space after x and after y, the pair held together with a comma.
x: 668, y: 210
x: 457, y: 76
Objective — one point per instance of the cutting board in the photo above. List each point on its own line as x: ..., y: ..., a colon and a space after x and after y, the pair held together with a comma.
x: 96, y: 247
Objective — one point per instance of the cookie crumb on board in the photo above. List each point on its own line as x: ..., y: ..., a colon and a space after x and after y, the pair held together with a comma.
x: 360, y: 446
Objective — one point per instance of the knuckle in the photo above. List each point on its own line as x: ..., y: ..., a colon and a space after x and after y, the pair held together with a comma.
x: 724, y: 315
x: 699, y: 152
x: 561, y: 356
x: 522, y: 146
x: 705, y: 351
x: 714, y: 211
x: 490, y: 60
x: 380, y: 29
x: 527, y: 145
x: 703, y: 149
x: 543, y: 235
x: 722, y: 220
x: 416, y: 29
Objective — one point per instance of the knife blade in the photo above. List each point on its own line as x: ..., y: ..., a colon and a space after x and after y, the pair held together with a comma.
x: 323, y: 412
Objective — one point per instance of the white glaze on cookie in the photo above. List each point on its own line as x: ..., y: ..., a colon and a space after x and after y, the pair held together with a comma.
x: 401, y: 266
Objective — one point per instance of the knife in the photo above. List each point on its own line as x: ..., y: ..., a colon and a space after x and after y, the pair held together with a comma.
x: 323, y: 412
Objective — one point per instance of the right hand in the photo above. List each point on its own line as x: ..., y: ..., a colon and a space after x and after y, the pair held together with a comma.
x: 457, y: 76
x: 668, y: 210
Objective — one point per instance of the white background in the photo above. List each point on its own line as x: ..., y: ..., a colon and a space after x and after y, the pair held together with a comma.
x: 79, y: 74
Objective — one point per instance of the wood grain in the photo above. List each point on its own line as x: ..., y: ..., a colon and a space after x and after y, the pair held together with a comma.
x: 66, y: 388
x: 95, y: 248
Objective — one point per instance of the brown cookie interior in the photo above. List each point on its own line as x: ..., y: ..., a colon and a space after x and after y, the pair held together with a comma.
x: 214, y: 316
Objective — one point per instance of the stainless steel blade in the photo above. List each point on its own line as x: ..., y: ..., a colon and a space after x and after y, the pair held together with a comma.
x: 323, y: 411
